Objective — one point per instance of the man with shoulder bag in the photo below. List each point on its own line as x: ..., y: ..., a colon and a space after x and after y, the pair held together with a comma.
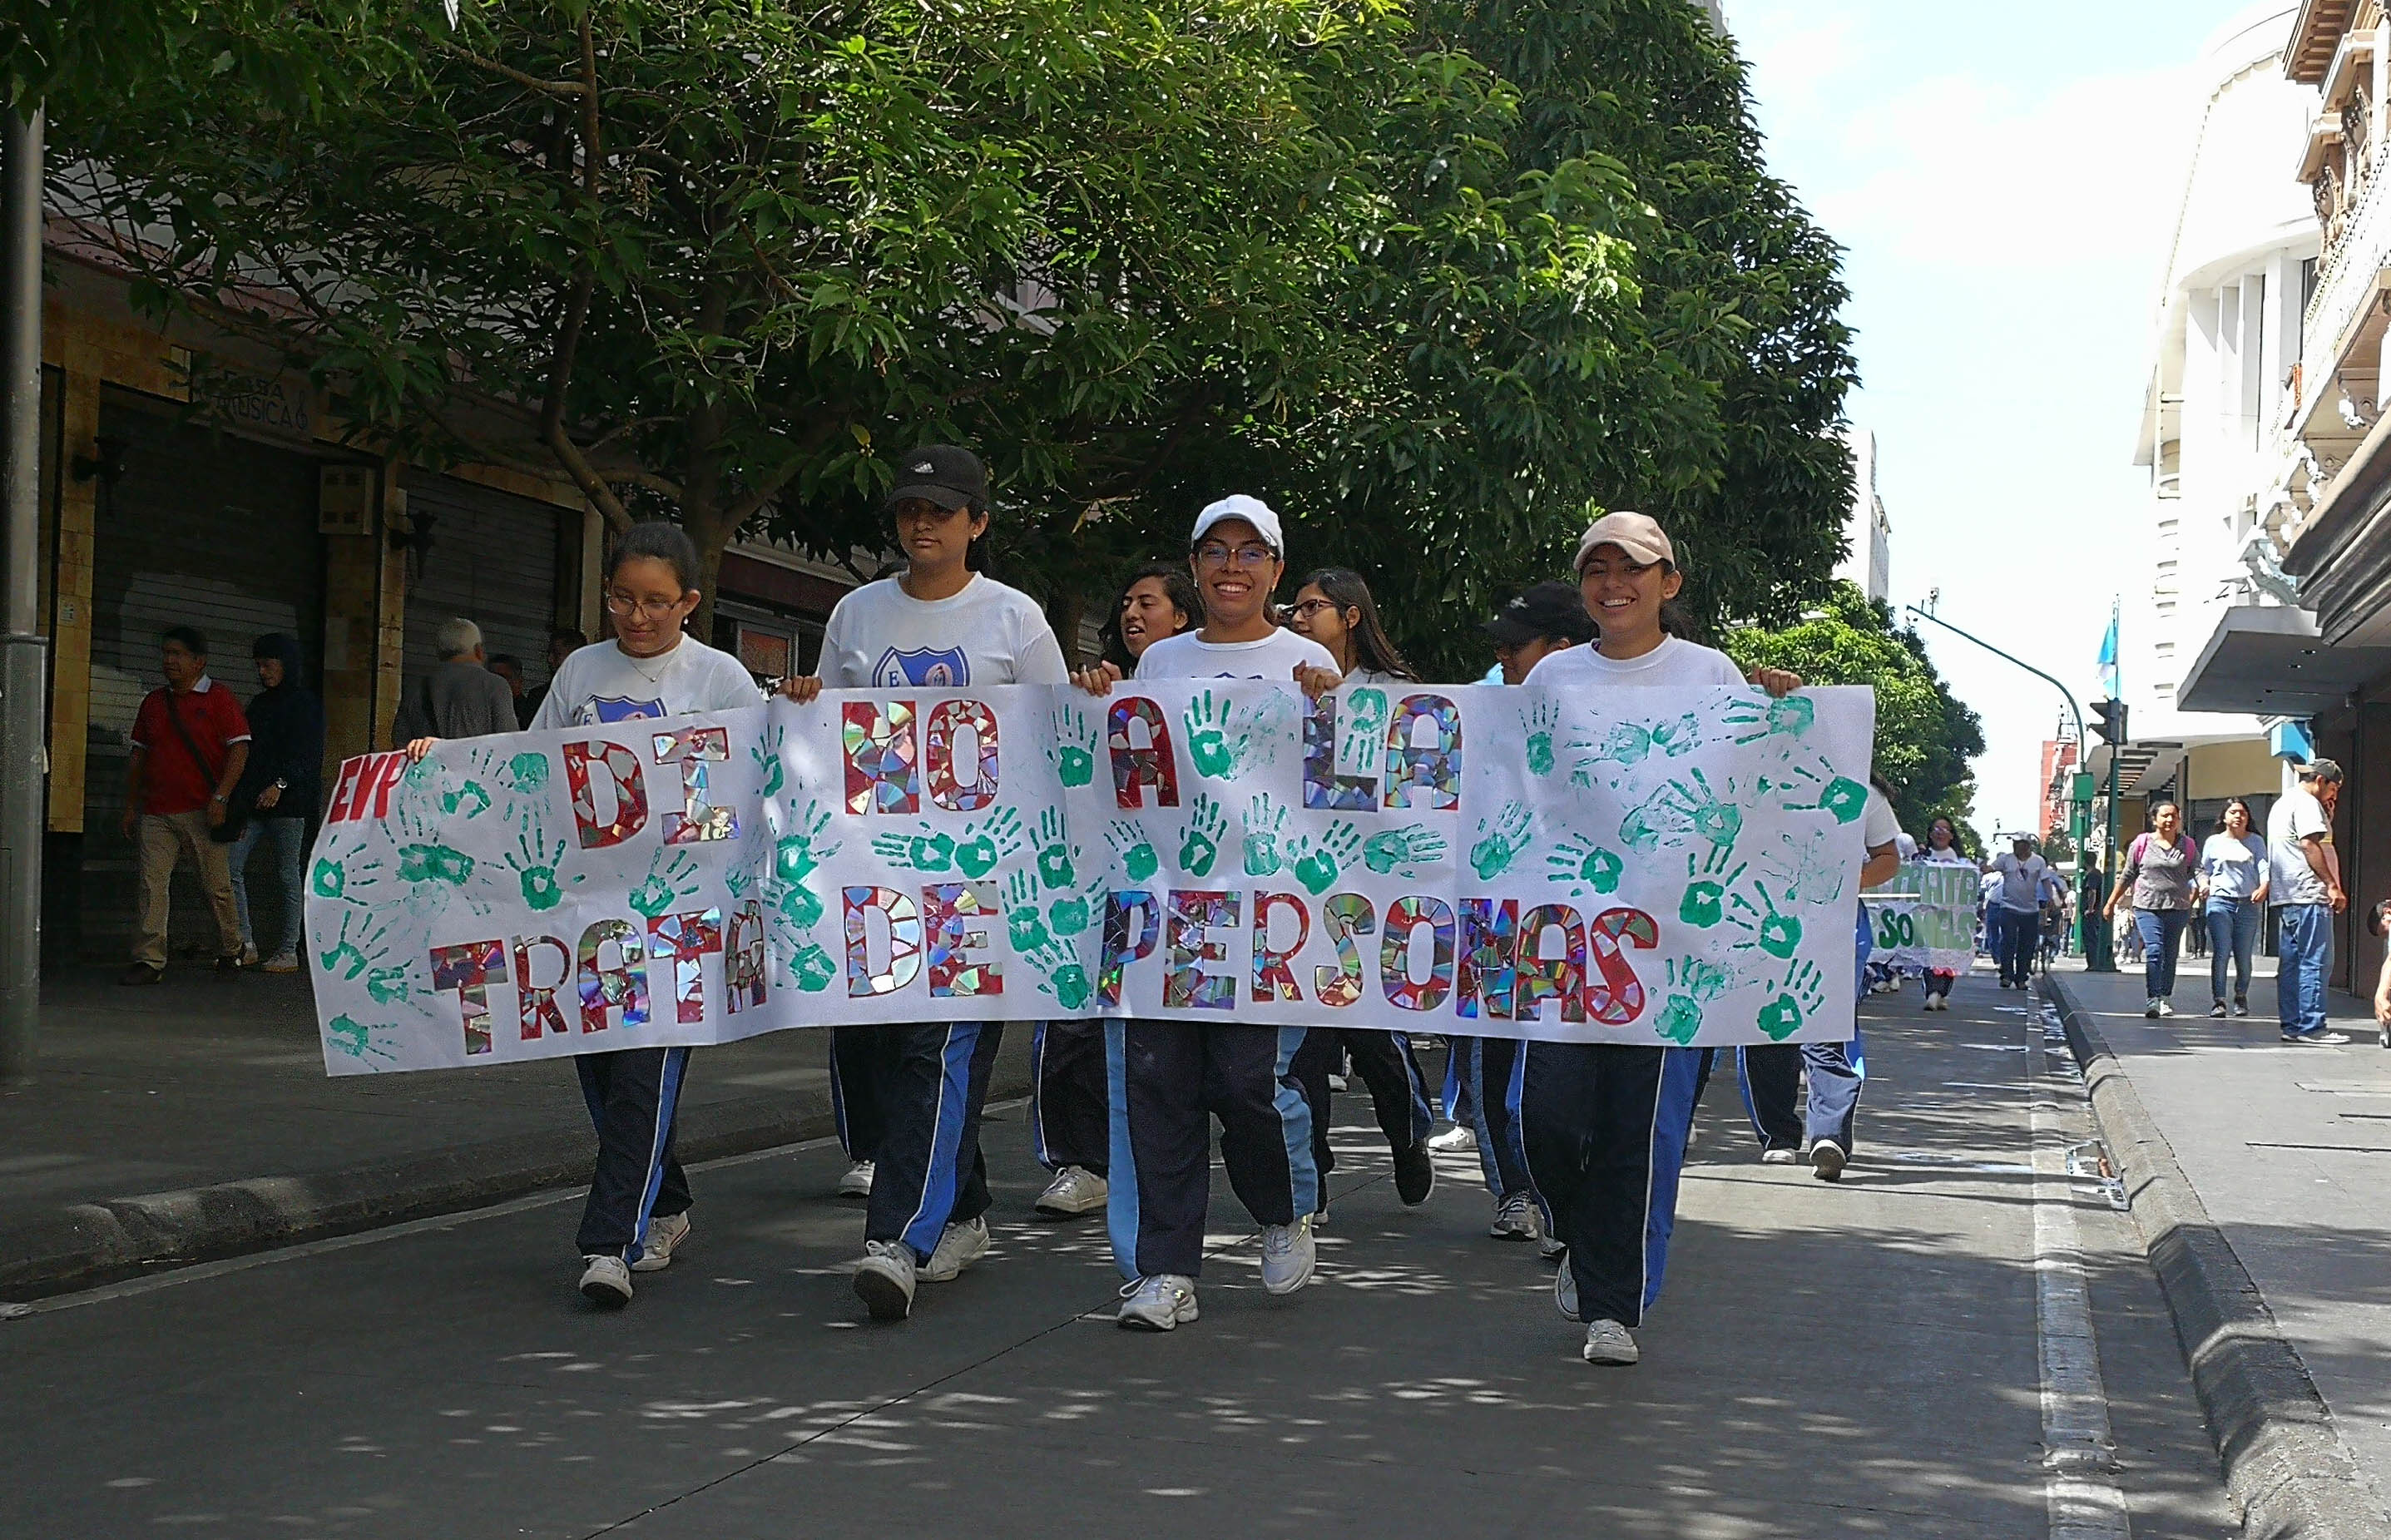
x: 191, y: 744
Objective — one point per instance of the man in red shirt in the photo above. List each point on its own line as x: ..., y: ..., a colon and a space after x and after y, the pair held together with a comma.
x: 191, y: 742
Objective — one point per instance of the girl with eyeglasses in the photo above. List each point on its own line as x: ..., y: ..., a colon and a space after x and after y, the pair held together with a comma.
x: 1334, y: 608
x: 909, y: 1097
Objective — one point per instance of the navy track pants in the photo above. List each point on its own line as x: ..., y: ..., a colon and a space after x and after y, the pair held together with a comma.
x: 1605, y: 1126
x: 633, y: 1095
x: 1069, y: 1118
x: 930, y: 1170
x: 1384, y: 1062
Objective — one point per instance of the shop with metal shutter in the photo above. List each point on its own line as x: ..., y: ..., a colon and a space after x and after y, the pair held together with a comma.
x: 489, y: 556
x: 194, y: 526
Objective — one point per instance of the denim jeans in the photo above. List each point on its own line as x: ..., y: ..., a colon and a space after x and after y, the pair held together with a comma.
x: 2303, y: 946
x: 2233, y: 926
x: 290, y: 837
x: 2161, y: 932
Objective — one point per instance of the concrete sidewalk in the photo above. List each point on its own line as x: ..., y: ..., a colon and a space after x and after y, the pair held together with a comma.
x: 195, y: 1120
x: 2260, y: 1174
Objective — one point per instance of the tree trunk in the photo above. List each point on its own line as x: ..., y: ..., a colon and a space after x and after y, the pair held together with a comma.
x: 711, y: 532
x: 1067, y: 609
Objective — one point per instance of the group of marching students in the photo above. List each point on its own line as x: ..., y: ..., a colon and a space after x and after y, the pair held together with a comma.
x: 1580, y: 1143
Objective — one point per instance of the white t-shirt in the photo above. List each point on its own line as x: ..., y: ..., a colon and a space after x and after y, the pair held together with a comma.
x: 1189, y: 656
x: 1879, y: 825
x: 1675, y: 661
x: 2021, y: 882
x: 2296, y: 815
x: 882, y: 637
x: 2233, y: 868
x: 603, y: 683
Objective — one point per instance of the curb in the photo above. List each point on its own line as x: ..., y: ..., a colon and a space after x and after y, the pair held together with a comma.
x: 2284, y: 1462
x: 89, y: 1244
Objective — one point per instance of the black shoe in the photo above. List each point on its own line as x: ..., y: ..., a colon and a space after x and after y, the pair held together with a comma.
x: 1415, y: 1176
x: 229, y: 962
x: 142, y: 973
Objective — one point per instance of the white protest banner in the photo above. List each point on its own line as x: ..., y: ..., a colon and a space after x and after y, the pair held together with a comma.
x: 1924, y: 917
x: 1651, y: 866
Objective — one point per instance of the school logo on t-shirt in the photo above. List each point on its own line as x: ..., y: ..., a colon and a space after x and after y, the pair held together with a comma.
x: 925, y: 668
x: 600, y: 709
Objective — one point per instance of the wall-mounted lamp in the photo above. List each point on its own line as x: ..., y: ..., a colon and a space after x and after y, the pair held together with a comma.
x: 106, y: 466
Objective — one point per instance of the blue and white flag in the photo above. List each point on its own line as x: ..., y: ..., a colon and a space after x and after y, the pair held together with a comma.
x: 2109, y: 657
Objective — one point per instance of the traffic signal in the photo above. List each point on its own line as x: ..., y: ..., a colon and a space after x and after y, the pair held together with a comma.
x: 2109, y: 720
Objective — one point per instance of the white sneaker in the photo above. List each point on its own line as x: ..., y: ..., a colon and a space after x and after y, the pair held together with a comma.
x: 1075, y: 1190
x: 1826, y: 1159
x: 1457, y: 1140
x: 249, y: 954
x: 605, y: 1281
x: 1565, y: 1290
x: 1550, y: 1248
x: 1335, y: 1082
x: 1608, y: 1342
x: 1779, y: 1156
x: 1287, y: 1256
x: 664, y: 1236
x: 884, y: 1280
x: 2151, y: 1010
x: 959, y: 1247
x: 1515, y: 1218
x: 283, y: 962
x: 856, y: 1183
x: 1160, y: 1301
x: 2167, y: 1007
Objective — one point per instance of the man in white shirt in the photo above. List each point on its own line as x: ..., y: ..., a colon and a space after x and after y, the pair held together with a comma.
x: 2014, y: 922
x: 2304, y: 888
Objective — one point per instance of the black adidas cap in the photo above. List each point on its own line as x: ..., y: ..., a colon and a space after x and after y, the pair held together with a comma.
x: 1553, y: 609
x: 941, y: 473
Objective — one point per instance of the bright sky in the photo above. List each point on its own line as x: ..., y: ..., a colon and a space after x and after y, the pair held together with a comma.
x: 2006, y: 190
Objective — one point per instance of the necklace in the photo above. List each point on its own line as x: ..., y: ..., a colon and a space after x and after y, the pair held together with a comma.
x: 639, y: 664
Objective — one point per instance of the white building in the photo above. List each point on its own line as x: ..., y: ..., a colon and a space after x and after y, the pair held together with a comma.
x: 1868, y: 532
x: 2219, y: 431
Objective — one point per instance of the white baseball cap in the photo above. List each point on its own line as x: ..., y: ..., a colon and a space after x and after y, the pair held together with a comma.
x: 1255, y: 512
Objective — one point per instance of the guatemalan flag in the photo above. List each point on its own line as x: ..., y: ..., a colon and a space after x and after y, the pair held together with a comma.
x: 2109, y: 657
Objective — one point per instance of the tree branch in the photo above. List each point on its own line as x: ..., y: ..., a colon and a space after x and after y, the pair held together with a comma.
x: 552, y: 87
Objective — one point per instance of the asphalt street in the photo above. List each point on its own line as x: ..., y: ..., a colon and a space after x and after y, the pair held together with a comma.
x: 1863, y: 1359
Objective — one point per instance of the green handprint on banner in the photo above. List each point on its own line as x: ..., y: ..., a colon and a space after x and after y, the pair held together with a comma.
x: 471, y: 797
x: 1839, y: 797
x: 1799, y: 996
x: 1789, y: 715
x: 1537, y: 727
x: 1073, y: 753
x: 796, y: 856
x: 1627, y: 745
x: 811, y: 969
x: 1074, y: 913
x: 926, y: 851
x: 1216, y: 755
x: 1265, y: 819
x: 1057, y: 858
x: 986, y: 843
x: 435, y: 862
x: 766, y: 752
x: 1694, y: 984
x: 1398, y: 851
x: 1806, y: 873
x: 1022, y: 921
x: 1580, y: 859
x: 1704, y: 904
x: 1317, y: 866
x: 347, y: 1035
x: 349, y: 956
x: 388, y: 985
x: 1367, y: 741
x: 668, y: 881
x: 527, y: 774
x: 536, y: 871
x: 1773, y: 931
x: 333, y: 877
x: 1679, y: 808
x: 1679, y: 738
x: 1199, y: 839
x: 1060, y: 974
x: 1136, y: 852
x: 1502, y: 839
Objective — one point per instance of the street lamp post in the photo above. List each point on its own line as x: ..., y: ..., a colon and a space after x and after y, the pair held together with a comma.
x: 2080, y: 820
x: 23, y: 650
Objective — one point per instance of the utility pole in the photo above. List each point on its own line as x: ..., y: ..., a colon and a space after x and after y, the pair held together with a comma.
x: 2081, y: 796
x: 23, y: 770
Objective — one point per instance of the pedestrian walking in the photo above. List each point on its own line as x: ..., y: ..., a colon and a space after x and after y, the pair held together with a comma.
x: 2378, y: 921
x: 2304, y: 889
x: 2234, y: 903
x: 1170, y: 1079
x: 562, y: 643
x: 190, y: 745
x: 1942, y: 849
x: 914, y: 1094
x: 1605, y: 1125
x: 277, y: 791
x: 460, y: 698
x: 2157, y: 881
x: 1334, y: 608
x: 2014, y: 918
x: 1070, y: 1110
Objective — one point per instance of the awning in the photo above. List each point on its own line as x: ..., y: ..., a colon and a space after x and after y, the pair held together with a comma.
x: 2267, y: 659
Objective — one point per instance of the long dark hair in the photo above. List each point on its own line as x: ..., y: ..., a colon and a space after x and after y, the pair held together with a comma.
x: 1177, y: 586
x: 2248, y: 818
x: 1372, y: 647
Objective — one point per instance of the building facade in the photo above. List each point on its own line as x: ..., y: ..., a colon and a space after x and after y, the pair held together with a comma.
x: 1867, y: 530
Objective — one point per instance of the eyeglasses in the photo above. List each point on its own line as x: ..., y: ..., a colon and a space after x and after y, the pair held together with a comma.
x: 648, y: 609
x: 1311, y: 607
x: 1250, y: 557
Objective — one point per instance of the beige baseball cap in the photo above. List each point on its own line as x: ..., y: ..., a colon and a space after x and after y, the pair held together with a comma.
x: 1639, y: 534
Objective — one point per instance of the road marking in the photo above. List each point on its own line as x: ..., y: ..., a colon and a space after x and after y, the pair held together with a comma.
x: 2079, y: 1456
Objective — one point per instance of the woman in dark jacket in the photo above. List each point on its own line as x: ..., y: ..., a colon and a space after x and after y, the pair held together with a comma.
x: 278, y: 792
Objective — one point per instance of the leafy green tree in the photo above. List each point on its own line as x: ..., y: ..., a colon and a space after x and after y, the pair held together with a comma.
x: 1924, y: 735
